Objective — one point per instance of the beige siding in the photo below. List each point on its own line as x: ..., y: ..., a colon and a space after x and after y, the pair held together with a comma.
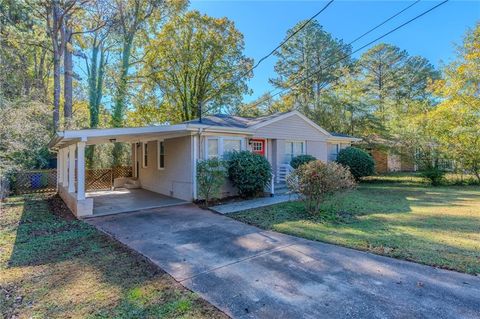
x: 176, y: 178
x: 291, y: 128
x: 318, y: 150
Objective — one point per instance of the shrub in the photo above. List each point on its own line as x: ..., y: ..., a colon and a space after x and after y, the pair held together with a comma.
x: 211, y: 174
x: 358, y: 161
x: 301, y: 159
x: 315, y: 180
x: 434, y: 175
x: 249, y: 172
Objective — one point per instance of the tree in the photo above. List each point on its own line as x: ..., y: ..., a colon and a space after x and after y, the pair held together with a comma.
x: 132, y: 16
x: 25, y: 128
x: 197, y: 63
x: 392, y: 79
x: 456, y: 120
x: 315, y: 55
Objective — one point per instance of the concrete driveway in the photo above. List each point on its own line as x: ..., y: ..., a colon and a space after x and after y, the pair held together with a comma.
x: 250, y: 273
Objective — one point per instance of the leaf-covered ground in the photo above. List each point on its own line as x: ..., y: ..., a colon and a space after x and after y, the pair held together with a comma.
x: 52, y: 266
x: 438, y: 226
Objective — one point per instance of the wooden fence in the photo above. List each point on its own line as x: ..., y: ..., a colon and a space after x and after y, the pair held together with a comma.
x: 42, y: 181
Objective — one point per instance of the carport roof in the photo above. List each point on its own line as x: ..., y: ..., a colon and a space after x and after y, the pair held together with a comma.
x: 133, y: 134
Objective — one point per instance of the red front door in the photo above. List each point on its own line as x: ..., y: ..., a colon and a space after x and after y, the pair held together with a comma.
x: 258, y: 146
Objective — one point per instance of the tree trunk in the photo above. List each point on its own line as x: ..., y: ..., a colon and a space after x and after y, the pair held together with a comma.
x: 68, y: 71
x: 121, y: 94
x: 56, y: 65
x: 119, y: 107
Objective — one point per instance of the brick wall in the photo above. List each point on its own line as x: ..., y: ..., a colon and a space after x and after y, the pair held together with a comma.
x: 381, y: 161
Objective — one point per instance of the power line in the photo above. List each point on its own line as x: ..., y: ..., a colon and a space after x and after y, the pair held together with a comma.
x: 353, y: 52
x: 273, y: 51
x: 291, y: 35
x: 371, y: 30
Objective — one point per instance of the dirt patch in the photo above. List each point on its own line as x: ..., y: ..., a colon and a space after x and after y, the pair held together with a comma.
x: 58, y: 207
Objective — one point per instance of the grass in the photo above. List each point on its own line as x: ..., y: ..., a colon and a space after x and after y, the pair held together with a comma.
x: 57, y: 267
x: 397, y: 216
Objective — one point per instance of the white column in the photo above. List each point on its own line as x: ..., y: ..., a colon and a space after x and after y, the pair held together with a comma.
x: 64, y: 167
x: 134, y: 164
x: 81, y: 170
x: 71, y: 168
x: 195, y: 150
x: 59, y: 167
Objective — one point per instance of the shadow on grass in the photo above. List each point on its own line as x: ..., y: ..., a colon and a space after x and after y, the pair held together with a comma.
x: 82, y: 272
x: 380, y: 219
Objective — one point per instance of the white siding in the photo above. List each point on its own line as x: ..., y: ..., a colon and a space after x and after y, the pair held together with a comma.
x: 291, y: 128
x: 318, y: 149
x: 176, y: 178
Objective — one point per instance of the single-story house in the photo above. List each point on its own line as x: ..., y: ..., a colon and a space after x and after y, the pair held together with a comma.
x: 164, y: 156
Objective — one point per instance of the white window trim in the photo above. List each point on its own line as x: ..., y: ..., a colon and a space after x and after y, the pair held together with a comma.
x: 143, y: 155
x: 220, y: 139
x: 304, y: 148
x: 158, y: 154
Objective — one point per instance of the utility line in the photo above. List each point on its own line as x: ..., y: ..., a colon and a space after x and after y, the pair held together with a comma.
x: 271, y: 52
x: 353, y: 52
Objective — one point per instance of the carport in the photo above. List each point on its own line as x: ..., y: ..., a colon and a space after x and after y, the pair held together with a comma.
x: 70, y: 147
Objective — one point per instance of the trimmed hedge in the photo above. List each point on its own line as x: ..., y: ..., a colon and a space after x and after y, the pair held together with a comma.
x: 301, y: 159
x: 249, y: 172
x: 358, y: 161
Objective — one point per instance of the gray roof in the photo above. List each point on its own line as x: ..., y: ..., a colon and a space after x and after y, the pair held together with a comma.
x: 341, y: 135
x: 232, y: 120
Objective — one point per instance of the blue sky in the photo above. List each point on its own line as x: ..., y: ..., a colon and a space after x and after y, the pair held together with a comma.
x: 264, y: 24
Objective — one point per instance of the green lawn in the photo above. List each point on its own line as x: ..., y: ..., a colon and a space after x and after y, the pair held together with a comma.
x: 397, y: 217
x: 53, y: 266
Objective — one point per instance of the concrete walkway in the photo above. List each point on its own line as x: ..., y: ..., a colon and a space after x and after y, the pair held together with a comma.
x: 252, y: 203
x: 250, y: 273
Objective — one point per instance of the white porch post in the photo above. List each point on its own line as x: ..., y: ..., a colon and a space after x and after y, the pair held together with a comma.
x: 195, y: 150
x: 81, y: 170
x: 71, y: 168
x: 134, y: 164
x: 59, y: 167
x: 64, y: 167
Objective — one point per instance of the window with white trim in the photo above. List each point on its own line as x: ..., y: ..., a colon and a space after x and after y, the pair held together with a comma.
x: 212, y: 148
x: 161, y: 154
x: 230, y: 145
x: 219, y: 146
x: 292, y: 149
x: 145, y: 154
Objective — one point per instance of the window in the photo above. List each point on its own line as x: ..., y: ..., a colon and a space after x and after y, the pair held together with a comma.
x: 212, y: 148
x: 292, y: 149
x: 230, y: 145
x: 145, y: 154
x: 161, y: 154
x: 218, y: 146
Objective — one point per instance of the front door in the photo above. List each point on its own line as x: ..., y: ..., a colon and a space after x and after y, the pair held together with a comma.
x: 258, y: 146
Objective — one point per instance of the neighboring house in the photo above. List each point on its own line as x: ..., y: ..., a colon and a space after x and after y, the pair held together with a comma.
x: 164, y: 156
x: 387, y: 161
x: 389, y: 155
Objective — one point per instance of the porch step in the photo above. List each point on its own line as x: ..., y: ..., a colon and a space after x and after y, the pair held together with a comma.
x: 281, y: 188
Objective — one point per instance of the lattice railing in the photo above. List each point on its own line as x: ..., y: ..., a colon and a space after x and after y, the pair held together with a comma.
x: 38, y: 181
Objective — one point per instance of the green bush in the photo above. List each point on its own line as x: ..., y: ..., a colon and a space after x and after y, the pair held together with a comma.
x: 211, y: 174
x: 249, y: 172
x: 315, y: 180
x: 434, y: 175
x: 358, y: 161
x: 301, y: 159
